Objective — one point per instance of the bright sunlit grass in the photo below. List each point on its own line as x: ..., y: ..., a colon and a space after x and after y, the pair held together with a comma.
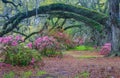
x: 83, y: 48
x: 86, y: 57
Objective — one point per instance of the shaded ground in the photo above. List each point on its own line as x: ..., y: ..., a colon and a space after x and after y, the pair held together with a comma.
x: 72, y: 64
x: 76, y: 64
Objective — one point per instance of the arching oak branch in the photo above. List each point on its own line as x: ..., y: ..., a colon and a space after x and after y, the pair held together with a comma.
x: 52, y: 8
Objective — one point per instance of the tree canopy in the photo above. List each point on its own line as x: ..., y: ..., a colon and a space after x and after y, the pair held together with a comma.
x: 60, y: 10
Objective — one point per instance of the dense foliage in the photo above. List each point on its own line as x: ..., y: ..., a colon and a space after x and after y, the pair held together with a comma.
x: 46, y: 45
x: 21, y: 56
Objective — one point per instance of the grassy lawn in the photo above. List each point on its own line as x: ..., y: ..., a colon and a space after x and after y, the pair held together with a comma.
x: 83, y: 48
x: 26, y: 74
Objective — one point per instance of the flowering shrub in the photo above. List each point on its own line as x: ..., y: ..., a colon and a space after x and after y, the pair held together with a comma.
x: 11, y: 40
x: 105, y: 49
x: 65, y: 40
x: 30, y: 45
x: 19, y: 55
x: 78, y: 41
x: 4, y: 64
x: 46, y: 45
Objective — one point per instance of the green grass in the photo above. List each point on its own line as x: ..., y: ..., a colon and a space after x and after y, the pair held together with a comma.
x: 83, y: 75
x: 9, y: 75
x: 40, y: 73
x: 26, y: 74
x: 29, y: 74
x: 86, y: 57
x: 83, y: 48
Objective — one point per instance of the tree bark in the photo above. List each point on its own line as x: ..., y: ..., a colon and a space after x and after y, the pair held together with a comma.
x: 113, y: 22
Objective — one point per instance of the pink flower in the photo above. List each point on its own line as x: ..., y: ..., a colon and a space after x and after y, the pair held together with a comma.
x: 22, y: 39
x: 45, y: 38
x: 32, y: 61
x: 10, y: 38
x: 5, y: 41
x: 60, y: 33
x: 105, y: 49
x: 19, y: 37
x: 1, y: 39
x: 45, y: 42
x: 107, y: 44
x: 14, y: 43
x: 29, y: 45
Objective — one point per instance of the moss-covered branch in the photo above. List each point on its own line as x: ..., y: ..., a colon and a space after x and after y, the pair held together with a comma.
x: 81, y: 18
x: 52, y: 8
x: 72, y: 26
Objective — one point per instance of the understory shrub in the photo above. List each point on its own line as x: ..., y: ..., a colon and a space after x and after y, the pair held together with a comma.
x: 78, y: 41
x: 105, y: 50
x: 19, y: 55
x: 46, y: 45
x: 9, y: 75
x: 11, y: 40
x: 65, y: 40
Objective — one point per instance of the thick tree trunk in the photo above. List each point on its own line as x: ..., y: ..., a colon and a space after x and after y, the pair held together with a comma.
x: 113, y: 22
x: 115, y: 39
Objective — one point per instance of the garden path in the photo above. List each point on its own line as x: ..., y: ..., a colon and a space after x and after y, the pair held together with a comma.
x: 75, y: 64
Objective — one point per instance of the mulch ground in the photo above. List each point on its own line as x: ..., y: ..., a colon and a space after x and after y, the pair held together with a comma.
x: 70, y: 66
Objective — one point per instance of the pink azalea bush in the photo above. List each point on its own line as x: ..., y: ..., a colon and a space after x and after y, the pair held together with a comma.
x: 30, y: 45
x: 45, y: 44
x: 65, y: 39
x: 78, y: 41
x: 11, y: 40
x: 17, y: 54
x: 4, y: 64
x: 32, y: 61
x: 105, y: 50
x: 21, y: 56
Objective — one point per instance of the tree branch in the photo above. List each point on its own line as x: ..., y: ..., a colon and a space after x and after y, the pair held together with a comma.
x: 85, y: 13
x: 10, y: 2
x: 72, y: 26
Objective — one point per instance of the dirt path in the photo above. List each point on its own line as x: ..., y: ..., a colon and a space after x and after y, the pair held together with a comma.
x: 76, y: 64
x: 72, y: 64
